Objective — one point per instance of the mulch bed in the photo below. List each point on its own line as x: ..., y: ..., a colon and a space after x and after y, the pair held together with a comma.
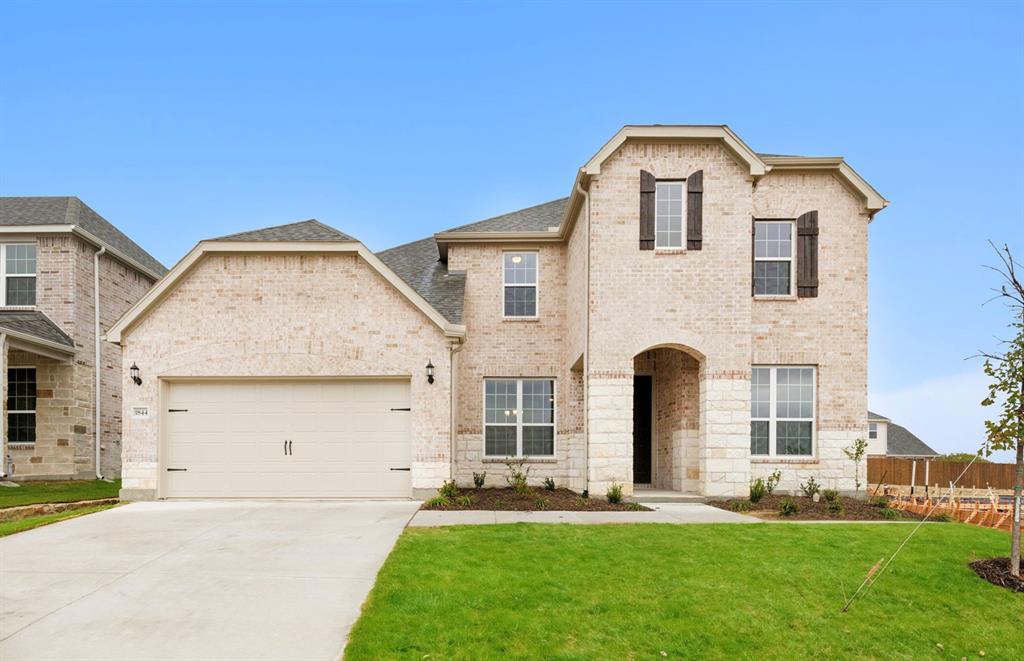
x: 997, y: 572
x: 808, y: 510
x: 535, y: 500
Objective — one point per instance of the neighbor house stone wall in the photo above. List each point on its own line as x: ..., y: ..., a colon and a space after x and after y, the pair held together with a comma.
x: 272, y: 315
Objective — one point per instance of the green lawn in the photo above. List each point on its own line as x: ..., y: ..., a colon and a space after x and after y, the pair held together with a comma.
x: 11, y: 527
x: 771, y: 591
x: 68, y: 491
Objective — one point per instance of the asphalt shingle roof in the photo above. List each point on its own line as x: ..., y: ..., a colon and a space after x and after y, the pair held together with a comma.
x: 901, y: 442
x: 30, y: 211
x: 35, y: 324
x: 419, y: 265
x: 306, y: 230
x: 532, y: 219
x: 876, y: 416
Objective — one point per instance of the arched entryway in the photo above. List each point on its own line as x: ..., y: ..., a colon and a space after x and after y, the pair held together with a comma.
x: 666, y: 419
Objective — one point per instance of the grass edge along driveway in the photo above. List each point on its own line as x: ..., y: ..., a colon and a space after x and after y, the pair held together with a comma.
x: 30, y: 522
x: 64, y: 491
x: 707, y: 591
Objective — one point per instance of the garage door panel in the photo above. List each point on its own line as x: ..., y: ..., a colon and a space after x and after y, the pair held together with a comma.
x: 345, y: 439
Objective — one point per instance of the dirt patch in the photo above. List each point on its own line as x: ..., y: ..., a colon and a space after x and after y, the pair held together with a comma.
x: 534, y: 500
x: 808, y: 510
x: 39, y: 509
x: 997, y: 572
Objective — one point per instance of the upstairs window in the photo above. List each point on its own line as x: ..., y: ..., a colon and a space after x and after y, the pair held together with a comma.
x: 668, y: 214
x: 782, y: 411
x: 773, y: 258
x: 872, y: 430
x: 520, y: 284
x: 21, y: 405
x: 18, y: 269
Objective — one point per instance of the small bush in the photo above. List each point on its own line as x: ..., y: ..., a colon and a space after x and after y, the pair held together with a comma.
x: 772, y: 482
x: 438, y: 501
x: 478, y: 480
x: 891, y: 513
x: 614, y: 493
x: 740, y: 505
x: 831, y: 495
x: 465, y: 501
x: 879, y: 502
x: 581, y: 503
x: 549, y: 484
x: 540, y: 503
x: 811, y: 487
x: 516, y: 477
x: 636, y: 507
x: 788, y: 507
x: 449, y: 489
x: 758, y: 490
x: 836, y: 507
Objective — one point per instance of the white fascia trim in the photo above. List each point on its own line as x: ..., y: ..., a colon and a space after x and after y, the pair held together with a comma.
x: 34, y: 344
x: 29, y: 230
x: 166, y: 284
x: 874, y: 201
x: 681, y: 133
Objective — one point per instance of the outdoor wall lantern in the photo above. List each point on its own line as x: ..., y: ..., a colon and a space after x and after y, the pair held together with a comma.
x: 134, y: 371
x: 430, y: 372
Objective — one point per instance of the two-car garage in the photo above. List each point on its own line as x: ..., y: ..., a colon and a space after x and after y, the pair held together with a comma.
x: 286, y: 438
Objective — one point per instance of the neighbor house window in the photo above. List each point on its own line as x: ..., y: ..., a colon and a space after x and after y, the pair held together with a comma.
x: 782, y: 411
x: 520, y: 284
x: 21, y: 405
x: 18, y: 270
x: 668, y: 214
x: 872, y: 430
x: 773, y: 257
x: 519, y: 417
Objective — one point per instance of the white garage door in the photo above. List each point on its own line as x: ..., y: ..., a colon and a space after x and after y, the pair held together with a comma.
x: 287, y: 439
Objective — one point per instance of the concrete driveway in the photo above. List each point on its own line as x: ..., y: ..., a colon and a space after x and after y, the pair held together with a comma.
x: 194, y: 580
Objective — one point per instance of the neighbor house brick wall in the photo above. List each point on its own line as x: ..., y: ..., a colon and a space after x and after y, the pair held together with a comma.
x: 272, y: 315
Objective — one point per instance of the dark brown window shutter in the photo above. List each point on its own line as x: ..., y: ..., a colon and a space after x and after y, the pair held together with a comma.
x: 807, y: 255
x: 695, y: 210
x: 647, y: 188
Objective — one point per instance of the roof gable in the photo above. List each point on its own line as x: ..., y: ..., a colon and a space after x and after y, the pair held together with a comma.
x: 305, y: 230
x: 901, y: 442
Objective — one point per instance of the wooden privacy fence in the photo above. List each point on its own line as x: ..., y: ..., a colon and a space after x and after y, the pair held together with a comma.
x: 937, y: 473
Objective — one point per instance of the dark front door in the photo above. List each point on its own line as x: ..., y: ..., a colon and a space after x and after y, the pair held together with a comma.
x: 642, y: 401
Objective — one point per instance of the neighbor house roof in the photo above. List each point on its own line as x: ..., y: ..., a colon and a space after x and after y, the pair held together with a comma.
x: 34, y: 327
x: 305, y: 230
x: 419, y: 264
x: 70, y: 213
x: 901, y: 442
x: 877, y: 416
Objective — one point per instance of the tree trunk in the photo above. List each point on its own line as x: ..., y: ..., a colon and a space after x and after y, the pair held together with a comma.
x: 1018, y: 486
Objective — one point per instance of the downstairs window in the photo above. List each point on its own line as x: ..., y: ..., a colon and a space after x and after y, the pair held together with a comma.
x: 21, y: 405
x: 519, y: 418
x: 782, y: 411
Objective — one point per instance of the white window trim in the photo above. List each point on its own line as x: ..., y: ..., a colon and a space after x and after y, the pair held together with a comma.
x: 4, y: 275
x: 682, y: 217
x: 519, y: 424
x: 791, y: 259
x: 535, y: 284
x: 773, y: 418
x: 34, y: 411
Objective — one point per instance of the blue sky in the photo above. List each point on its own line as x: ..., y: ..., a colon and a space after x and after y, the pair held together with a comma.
x: 179, y: 121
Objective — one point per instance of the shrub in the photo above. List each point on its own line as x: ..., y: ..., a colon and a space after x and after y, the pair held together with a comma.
x: 772, y: 482
x: 478, y: 480
x: 831, y: 495
x: 516, y: 477
x: 836, y: 507
x: 636, y: 507
x: 811, y: 487
x: 740, y: 505
x: 465, y: 501
x: 449, y: 489
x: 540, y: 503
x: 581, y: 503
x: 549, y: 484
x: 438, y: 501
x: 891, y: 513
x: 879, y: 502
x: 614, y: 493
x: 788, y: 507
x: 757, y: 490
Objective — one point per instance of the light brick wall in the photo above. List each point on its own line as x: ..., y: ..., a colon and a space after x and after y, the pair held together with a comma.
x: 286, y: 315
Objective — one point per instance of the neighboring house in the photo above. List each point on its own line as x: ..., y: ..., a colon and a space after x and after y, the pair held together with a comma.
x: 49, y: 251
x: 886, y: 438
x: 693, y: 315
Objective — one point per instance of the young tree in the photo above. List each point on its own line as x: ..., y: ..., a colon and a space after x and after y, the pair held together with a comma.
x: 1006, y: 390
x: 856, y: 452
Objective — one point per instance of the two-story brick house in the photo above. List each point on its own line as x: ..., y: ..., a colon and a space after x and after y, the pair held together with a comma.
x: 693, y: 314
x: 58, y: 259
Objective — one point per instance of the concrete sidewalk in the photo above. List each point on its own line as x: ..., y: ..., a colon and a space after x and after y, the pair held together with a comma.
x: 663, y: 513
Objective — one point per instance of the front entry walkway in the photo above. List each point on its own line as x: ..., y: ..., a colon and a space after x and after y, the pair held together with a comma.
x: 195, y: 580
x: 663, y: 513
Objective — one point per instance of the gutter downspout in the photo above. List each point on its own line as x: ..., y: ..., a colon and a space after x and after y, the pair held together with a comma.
x: 586, y: 355
x: 96, y: 364
x: 5, y: 468
x: 452, y: 350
